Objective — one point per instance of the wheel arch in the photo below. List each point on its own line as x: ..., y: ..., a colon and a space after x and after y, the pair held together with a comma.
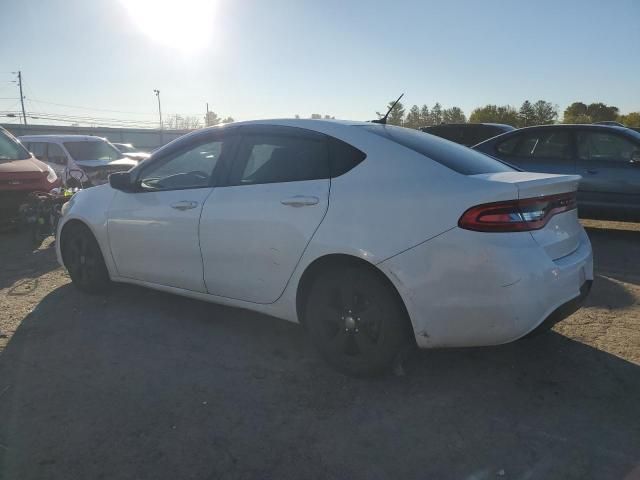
x: 338, y: 260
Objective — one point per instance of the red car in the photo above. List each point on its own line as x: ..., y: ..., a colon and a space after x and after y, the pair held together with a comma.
x: 20, y: 174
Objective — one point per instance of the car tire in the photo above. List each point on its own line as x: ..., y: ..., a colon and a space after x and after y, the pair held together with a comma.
x: 356, y: 320
x: 83, y: 259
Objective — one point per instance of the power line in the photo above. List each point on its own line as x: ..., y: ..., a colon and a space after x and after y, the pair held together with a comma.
x: 89, y: 108
x: 86, y: 120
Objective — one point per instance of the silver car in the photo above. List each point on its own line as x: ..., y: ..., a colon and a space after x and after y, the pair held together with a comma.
x: 607, y: 158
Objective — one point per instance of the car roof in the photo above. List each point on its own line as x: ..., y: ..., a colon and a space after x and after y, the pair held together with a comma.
x: 591, y: 126
x: 501, y: 125
x: 62, y: 138
x: 301, y: 122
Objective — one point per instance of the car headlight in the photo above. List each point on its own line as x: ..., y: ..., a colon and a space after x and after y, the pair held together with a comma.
x: 51, y: 177
x: 66, y: 207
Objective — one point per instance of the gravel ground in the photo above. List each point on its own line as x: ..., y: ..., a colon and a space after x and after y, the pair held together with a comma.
x: 138, y: 384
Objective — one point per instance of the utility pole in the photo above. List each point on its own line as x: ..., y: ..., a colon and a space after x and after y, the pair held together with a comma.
x: 157, y: 92
x: 24, y: 115
x: 206, y: 117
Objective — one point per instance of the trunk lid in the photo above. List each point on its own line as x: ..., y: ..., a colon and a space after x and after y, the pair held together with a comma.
x: 561, y: 235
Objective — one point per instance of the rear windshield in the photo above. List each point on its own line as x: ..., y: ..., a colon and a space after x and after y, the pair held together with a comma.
x: 11, y: 149
x: 456, y: 157
x: 90, y: 150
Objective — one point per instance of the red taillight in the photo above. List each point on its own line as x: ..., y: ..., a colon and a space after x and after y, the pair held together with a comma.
x: 516, y: 215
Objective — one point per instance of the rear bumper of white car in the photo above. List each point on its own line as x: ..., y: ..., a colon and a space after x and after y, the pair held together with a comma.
x: 466, y: 288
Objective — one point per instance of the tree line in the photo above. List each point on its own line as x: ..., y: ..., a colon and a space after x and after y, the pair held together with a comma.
x: 423, y: 116
x: 540, y: 112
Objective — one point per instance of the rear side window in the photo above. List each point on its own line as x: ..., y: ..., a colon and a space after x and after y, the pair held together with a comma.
x: 456, y: 157
x: 343, y: 158
x: 548, y: 144
x: 265, y: 158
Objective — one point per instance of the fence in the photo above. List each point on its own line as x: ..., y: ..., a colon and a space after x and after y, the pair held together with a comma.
x: 143, y: 138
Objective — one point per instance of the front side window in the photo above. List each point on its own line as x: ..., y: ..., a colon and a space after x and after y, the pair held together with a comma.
x: 56, y: 155
x: 267, y: 158
x: 188, y: 169
x: 93, y: 150
x: 545, y: 144
x: 604, y: 146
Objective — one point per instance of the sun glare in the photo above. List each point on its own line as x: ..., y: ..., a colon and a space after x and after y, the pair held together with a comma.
x: 184, y: 25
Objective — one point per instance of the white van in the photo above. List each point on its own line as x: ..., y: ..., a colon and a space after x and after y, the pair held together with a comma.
x: 82, y: 157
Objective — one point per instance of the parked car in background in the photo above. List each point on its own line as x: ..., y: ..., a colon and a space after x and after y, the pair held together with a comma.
x: 130, y: 151
x: 85, y: 158
x: 20, y: 174
x: 611, y: 123
x: 467, y: 133
x: 607, y: 158
x: 299, y: 219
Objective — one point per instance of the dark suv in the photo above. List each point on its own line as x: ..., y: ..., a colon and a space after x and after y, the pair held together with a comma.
x: 467, y: 133
x: 607, y: 158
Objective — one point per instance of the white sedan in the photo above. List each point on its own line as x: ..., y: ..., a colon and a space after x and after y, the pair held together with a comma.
x: 373, y: 237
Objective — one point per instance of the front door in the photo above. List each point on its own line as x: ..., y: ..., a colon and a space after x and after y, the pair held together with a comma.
x: 255, y: 229
x: 610, y: 176
x: 153, y: 233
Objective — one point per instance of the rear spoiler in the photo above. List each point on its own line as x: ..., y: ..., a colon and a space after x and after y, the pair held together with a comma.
x: 531, y: 184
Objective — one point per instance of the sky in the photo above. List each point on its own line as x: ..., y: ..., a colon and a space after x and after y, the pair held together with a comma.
x: 277, y: 58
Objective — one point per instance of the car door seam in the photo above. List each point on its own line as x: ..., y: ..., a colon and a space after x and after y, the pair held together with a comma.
x: 295, y: 267
x: 204, y: 277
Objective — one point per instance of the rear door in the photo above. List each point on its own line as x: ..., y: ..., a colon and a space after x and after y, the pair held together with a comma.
x: 609, y: 175
x: 254, y: 229
x: 545, y: 150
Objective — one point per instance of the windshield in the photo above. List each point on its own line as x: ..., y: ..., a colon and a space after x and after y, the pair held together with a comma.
x: 10, y: 149
x: 92, y: 150
x: 456, y: 157
x: 124, y: 148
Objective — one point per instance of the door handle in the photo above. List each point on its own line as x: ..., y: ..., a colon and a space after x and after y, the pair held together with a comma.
x: 300, y: 201
x: 592, y: 172
x: 184, y: 205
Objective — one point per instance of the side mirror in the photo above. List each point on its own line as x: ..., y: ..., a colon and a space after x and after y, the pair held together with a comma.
x: 122, y: 181
x: 635, y: 158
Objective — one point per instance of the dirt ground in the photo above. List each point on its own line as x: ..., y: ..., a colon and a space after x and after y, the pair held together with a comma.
x: 138, y: 384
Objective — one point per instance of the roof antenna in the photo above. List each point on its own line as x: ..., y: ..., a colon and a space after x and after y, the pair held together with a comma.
x: 383, y: 120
